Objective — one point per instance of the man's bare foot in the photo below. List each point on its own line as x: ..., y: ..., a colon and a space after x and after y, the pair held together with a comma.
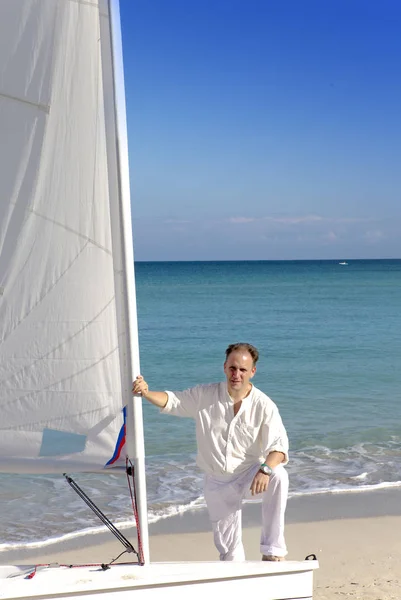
x: 272, y: 558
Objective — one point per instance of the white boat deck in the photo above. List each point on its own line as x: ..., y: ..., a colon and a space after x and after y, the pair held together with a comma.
x: 271, y: 581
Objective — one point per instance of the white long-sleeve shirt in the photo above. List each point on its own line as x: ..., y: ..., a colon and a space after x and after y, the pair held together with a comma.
x: 226, y: 443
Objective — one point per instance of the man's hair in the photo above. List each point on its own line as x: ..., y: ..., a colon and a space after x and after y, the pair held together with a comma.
x: 243, y: 346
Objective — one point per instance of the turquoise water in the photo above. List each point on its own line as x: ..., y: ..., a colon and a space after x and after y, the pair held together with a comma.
x: 329, y: 336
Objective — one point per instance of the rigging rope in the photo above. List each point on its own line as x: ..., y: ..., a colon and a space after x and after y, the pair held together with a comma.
x: 121, y: 538
x: 130, y: 470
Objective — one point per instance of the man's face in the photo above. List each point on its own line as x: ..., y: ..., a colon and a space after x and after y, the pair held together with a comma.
x: 239, y: 370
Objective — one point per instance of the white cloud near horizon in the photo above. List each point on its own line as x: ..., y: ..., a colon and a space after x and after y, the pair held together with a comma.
x: 297, y: 220
x: 374, y: 236
x: 331, y: 236
x: 178, y: 221
x: 269, y: 237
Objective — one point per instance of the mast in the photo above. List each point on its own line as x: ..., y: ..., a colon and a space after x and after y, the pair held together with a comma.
x: 116, y: 115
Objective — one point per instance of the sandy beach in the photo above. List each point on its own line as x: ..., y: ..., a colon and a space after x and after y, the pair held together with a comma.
x: 356, y: 538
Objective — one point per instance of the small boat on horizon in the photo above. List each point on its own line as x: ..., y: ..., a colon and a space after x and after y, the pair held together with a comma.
x: 343, y: 263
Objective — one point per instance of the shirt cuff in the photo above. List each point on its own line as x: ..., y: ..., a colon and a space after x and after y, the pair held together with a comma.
x: 279, y: 448
x: 170, y: 404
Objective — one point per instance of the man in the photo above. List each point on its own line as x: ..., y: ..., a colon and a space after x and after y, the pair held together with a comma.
x: 242, y: 447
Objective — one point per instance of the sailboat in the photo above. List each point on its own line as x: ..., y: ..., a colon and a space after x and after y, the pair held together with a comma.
x: 68, y: 327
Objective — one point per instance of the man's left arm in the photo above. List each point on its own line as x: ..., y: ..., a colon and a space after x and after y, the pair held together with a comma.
x: 274, y: 447
x: 261, y: 480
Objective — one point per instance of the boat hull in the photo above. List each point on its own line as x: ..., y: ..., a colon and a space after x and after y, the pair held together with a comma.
x: 172, y: 581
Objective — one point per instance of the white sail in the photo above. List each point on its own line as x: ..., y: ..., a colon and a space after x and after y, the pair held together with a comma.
x: 65, y: 366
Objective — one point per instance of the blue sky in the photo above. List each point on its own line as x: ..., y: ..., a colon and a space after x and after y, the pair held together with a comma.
x: 264, y: 129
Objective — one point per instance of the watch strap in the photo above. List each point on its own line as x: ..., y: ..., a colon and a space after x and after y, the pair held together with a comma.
x: 266, y: 469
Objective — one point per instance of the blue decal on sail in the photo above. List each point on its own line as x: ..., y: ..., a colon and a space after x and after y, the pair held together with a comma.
x: 57, y: 443
x: 120, y: 441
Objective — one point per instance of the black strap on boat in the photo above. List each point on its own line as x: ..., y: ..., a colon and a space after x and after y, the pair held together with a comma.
x: 121, y: 538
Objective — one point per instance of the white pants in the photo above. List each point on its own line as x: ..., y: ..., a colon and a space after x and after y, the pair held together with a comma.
x: 224, y: 501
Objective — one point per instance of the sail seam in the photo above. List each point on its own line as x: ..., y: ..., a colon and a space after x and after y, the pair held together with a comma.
x: 32, y: 393
x: 60, y: 345
x: 86, y: 2
x: 95, y: 158
x: 46, y: 293
x: 54, y: 420
x: 67, y: 228
x: 44, y: 107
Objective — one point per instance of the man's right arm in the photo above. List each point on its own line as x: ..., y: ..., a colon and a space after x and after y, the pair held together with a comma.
x: 140, y: 387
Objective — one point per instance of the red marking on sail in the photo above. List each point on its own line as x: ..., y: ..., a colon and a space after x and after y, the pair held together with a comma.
x: 120, y: 441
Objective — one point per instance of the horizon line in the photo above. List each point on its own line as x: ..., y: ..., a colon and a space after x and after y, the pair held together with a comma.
x: 267, y: 260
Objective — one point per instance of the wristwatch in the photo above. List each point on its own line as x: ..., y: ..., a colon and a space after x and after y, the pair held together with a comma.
x: 266, y: 469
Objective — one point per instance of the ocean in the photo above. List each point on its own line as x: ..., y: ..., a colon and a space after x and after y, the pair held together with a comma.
x: 329, y: 336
